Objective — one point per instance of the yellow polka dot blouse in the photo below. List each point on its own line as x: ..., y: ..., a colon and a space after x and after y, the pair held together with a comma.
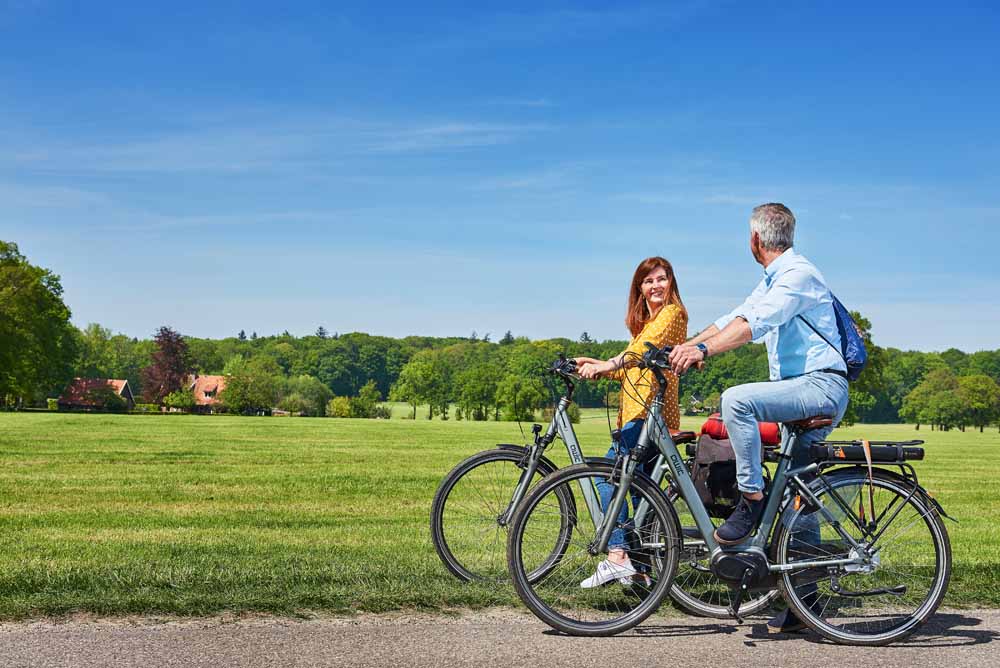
x: 668, y: 328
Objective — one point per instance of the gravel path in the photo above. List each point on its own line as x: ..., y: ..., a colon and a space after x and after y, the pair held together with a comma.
x: 953, y: 638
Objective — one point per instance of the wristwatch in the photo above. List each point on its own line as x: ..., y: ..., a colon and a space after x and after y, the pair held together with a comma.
x: 704, y: 350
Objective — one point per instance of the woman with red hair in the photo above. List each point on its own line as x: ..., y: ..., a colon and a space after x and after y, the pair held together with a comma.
x: 655, y: 314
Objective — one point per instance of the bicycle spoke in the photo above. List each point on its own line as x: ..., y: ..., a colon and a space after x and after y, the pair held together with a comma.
x: 874, y: 601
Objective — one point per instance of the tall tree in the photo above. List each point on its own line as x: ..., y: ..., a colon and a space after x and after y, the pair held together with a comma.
x: 169, y: 368
x: 980, y: 396
x: 251, y: 385
x: 37, y: 342
x: 930, y: 402
x: 870, y: 385
x: 95, y: 351
x: 425, y: 379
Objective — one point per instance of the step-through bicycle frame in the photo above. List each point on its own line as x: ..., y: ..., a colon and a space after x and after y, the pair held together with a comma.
x: 562, y: 426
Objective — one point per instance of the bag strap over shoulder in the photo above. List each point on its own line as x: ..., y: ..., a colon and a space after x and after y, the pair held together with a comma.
x: 820, y: 335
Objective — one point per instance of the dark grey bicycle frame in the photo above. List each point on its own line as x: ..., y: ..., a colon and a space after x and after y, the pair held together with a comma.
x: 784, y: 478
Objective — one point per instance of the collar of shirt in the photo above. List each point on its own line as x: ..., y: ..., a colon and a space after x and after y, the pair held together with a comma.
x: 784, y: 260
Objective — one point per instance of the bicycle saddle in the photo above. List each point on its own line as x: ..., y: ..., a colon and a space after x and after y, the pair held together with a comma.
x: 814, y: 422
x: 679, y: 437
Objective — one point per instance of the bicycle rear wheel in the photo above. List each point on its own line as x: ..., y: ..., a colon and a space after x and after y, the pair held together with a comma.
x: 465, y: 516
x: 557, y: 598
x: 878, y: 602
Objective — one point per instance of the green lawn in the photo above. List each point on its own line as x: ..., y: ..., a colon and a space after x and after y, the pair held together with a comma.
x: 192, y: 515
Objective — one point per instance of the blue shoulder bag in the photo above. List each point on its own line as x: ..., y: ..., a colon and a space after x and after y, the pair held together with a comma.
x: 852, y: 345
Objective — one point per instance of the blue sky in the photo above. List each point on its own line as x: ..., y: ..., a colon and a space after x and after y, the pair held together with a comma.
x: 441, y: 169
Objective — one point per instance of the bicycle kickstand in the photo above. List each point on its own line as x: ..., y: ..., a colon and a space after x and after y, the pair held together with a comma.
x: 741, y: 594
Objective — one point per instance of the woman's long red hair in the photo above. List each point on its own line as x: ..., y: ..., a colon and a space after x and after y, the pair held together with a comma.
x: 637, y: 314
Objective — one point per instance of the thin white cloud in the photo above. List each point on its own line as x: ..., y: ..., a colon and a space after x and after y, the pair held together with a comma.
x: 264, y: 146
x: 15, y: 196
x: 450, y: 136
x: 558, y: 177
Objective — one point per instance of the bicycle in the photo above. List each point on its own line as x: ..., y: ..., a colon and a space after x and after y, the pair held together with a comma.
x: 859, y: 552
x: 475, y: 502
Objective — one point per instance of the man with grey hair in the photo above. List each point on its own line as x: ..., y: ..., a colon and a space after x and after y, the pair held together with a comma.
x: 791, y: 311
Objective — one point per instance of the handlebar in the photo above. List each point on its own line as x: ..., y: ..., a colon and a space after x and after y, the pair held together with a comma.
x: 655, y: 358
x: 563, y: 366
x: 566, y: 370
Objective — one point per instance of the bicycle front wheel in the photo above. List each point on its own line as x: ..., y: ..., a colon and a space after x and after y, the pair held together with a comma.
x: 466, y: 516
x: 558, y: 598
x: 908, y: 559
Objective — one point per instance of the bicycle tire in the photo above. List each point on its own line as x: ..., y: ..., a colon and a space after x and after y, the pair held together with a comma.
x: 483, y: 558
x: 558, y: 599
x: 913, y: 553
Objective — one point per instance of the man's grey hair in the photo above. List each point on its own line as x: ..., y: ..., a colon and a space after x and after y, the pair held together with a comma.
x: 775, y: 225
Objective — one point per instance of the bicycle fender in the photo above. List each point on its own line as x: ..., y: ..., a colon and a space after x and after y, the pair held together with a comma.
x: 895, y: 475
x: 545, y: 465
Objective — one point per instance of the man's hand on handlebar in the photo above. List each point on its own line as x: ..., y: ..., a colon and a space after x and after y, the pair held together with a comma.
x: 685, y: 356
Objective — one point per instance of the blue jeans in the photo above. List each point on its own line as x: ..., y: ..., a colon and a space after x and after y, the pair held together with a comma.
x: 629, y: 439
x: 815, y: 393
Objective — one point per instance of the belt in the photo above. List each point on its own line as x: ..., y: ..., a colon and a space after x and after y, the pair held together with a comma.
x: 838, y: 372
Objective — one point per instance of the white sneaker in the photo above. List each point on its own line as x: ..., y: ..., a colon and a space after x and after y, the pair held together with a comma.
x: 607, y: 571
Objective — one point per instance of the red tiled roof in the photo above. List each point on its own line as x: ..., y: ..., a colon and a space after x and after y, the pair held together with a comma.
x: 211, y: 384
x: 78, y: 391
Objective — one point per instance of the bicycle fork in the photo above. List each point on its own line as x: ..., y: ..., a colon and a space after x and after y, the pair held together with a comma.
x: 530, y: 466
x: 610, y: 520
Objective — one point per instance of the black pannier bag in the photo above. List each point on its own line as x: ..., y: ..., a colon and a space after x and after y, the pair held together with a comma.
x: 714, y: 475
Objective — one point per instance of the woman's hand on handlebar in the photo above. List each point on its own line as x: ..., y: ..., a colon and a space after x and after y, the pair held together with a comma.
x: 594, y: 370
x: 586, y: 360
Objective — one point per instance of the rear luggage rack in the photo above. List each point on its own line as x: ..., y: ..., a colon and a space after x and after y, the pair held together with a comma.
x: 883, y: 452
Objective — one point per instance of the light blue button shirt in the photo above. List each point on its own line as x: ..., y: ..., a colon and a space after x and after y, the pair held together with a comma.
x: 792, y: 286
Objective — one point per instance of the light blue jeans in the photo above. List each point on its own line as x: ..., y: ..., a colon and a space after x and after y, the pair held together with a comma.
x: 629, y: 439
x: 815, y: 393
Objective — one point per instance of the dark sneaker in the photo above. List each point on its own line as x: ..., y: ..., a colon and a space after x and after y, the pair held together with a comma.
x: 741, y: 523
x: 785, y: 622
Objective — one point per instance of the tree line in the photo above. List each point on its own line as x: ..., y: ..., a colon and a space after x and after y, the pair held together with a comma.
x: 469, y: 377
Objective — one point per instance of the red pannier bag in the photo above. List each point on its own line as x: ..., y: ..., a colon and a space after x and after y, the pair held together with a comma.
x: 770, y: 432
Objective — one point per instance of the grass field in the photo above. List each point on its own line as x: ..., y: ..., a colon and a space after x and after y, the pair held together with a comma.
x: 189, y: 515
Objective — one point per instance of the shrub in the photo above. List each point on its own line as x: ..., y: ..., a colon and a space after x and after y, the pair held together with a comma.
x: 363, y: 405
x: 106, y: 399
x: 146, y: 408
x: 339, y: 407
x: 53, y: 404
x: 180, y: 399
x: 383, y: 412
x: 295, y: 404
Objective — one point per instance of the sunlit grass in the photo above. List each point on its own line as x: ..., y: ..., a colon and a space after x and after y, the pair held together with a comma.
x: 192, y: 515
